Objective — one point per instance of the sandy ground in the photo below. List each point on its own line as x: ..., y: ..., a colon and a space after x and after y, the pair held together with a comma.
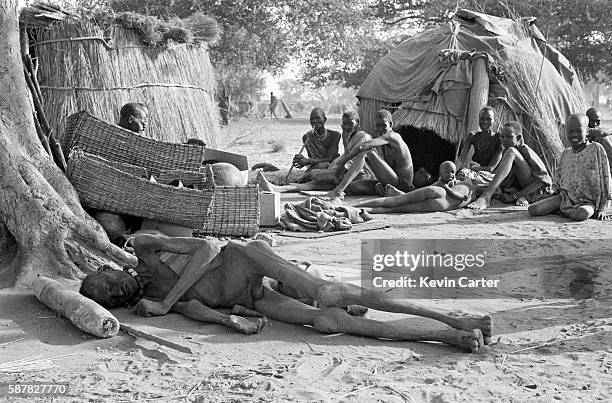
x: 544, y: 349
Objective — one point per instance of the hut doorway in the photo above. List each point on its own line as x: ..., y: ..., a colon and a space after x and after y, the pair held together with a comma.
x: 427, y: 148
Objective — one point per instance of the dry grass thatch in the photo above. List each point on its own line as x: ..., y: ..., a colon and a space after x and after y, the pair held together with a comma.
x: 82, y: 67
x: 542, y: 128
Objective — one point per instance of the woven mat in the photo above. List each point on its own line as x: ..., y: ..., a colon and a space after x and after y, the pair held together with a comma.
x: 367, y: 226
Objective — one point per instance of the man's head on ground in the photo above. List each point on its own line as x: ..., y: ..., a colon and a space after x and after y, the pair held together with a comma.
x: 594, y: 117
x: 317, y: 118
x: 134, y: 117
x: 350, y: 121
x: 109, y: 287
x: 447, y: 171
x: 576, y: 129
x: 486, y: 118
x: 383, y: 122
x: 512, y: 134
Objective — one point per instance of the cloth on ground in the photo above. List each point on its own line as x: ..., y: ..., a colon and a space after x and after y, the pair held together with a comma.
x: 314, y: 214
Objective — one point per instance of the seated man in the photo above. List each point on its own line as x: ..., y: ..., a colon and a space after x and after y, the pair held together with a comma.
x: 134, y: 116
x: 387, y: 156
x: 596, y: 134
x: 486, y: 143
x: 444, y: 195
x: 326, y: 179
x: 203, y: 277
x: 520, y: 176
x: 321, y: 145
x: 582, y: 178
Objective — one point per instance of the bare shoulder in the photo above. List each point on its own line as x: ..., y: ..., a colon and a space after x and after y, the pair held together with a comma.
x: 362, y: 136
x: 393, y: 137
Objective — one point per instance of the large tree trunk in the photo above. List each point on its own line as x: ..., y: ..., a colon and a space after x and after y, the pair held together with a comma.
x: 38, y: 205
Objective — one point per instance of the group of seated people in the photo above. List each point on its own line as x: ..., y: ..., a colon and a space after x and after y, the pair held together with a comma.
x: 506, y: 168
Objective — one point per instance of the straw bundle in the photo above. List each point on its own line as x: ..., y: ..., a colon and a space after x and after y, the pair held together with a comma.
x: 522, y: 71
x: 430, y: 115
x: 203, y: 27
x: 177, y: 84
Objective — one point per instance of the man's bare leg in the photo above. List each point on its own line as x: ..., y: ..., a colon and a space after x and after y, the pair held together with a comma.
x: 545, y: 206
x: 200, y: 312
x: 418, y: 195
x: 265, y: 185
x: 381, y: 169
x: 336, y: 294
x: 349, y: 176
x: 512, y: 159
x: 336, y: 320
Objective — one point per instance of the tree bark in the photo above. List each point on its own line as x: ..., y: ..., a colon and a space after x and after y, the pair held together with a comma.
x: 38, y: 205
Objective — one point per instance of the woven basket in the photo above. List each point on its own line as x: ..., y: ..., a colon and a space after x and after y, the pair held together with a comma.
x: 114, y: 143
x: 235, y: 212
x: 121, y: 188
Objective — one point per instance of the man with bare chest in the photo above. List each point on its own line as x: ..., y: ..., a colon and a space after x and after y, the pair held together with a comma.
x: 387, y: 156
x: 199, y: 277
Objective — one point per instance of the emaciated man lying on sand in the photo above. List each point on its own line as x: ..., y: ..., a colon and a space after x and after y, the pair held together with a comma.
x: 214, y: 277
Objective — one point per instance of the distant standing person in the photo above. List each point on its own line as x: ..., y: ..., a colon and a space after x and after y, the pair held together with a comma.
x: 321, y: 145
x: 273, y: 105
x: 134, y: 116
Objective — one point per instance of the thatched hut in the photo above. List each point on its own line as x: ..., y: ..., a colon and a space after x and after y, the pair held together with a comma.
x: 99, y: 67
x: 436, y: 82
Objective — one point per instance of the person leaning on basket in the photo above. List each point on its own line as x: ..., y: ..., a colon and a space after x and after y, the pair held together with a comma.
x: 134, y: 116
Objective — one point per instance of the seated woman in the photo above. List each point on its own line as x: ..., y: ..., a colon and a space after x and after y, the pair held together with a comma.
x: 521, y: 176
x: 321, y: 145
x: 444, y: 195
x: 330, y: 179
x: 582, y: 178
x: 486, y: 143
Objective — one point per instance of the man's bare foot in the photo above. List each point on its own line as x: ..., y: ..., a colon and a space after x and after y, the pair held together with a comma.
x: 521, y: 201
x: 263, y: 183
x: 379, y: 189
x: 468, y: 321
x: 472, y: 340
x: 245, y: 326
x: 479, y: 204
x: 393, y: 191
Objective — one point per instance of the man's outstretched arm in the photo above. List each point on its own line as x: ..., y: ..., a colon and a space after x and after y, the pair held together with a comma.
x: 202, y: 253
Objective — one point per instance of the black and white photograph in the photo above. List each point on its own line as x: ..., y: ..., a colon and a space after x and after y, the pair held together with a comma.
x: 305, y: 201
